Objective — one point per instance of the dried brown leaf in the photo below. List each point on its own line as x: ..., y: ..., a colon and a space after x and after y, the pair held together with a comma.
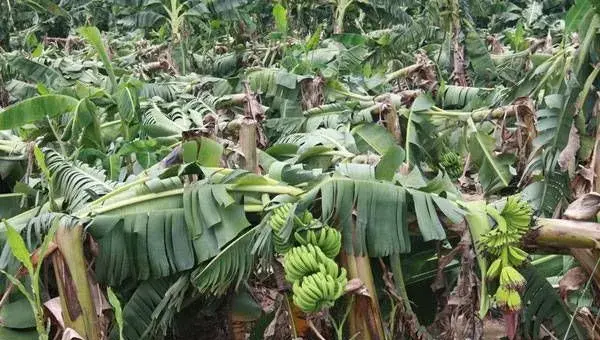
x: 493, y: 329
x: 574, y: 279
x: 312, y: 92
x: 70, y: 334
x: 355, y: 286
x: 496, y: 45
x: 566, y: 159
x: 584, y: 208
x: 55, y: 308
x: 589, y: 321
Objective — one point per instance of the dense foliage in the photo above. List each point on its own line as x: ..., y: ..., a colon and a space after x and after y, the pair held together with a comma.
x: 261, y: 169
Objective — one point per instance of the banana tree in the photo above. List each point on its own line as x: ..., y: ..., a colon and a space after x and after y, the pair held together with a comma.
x: 357, y: 157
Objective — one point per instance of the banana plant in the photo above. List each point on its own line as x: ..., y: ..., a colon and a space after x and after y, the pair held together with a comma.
x: 312, y: 155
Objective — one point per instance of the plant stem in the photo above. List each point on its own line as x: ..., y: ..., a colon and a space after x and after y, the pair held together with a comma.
x: 403, y: 72
x: 365, y: 318
x: 556, y: 233
x: 355, y: 95
x: 63, y: 151
x: 120, y: 190
x: 271, y: 189
x: 340, y: 13
x: 396, y: 266
x: 247, y: 143
x: 111, y: 123
x: 78, y: 308
x: 407, y: 135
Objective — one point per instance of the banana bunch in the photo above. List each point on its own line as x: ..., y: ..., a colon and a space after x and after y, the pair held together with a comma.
x: 518, y: 214
x: 503, y: 243
x: 317, y: 291
x: 511, y: 256
x: 511, y: 283
x: 495, y: 241
x: 508, y: 299
x: 511, y: 224
x: 278, y: 221
x: 317, y: 280
x: 452, y: 163
x: 306, y: 260
x: 326, y: 238
x: 511, y: 278
x: 307, y: 218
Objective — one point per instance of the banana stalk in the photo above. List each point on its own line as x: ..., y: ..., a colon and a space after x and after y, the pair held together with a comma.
x: 364, y: 321
x: 70, y: 268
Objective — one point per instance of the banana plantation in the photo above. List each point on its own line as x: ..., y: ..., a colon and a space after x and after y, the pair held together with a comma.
x: 299, y: 169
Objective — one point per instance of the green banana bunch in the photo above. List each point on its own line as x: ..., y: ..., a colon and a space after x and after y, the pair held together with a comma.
x: 326, y: 238
x: 517, y: 214
x: 508, y: 299
x: 512, y: 223
x: 317, y: 291
x: 516, y: 256
x: 306, y: 260
x: 317, y: 280
x: 453, y: 164
x: 511, y: 278
x: 307, y: 218
x: 278, y: 221
x: 503, y: 242
x: 495, y: 241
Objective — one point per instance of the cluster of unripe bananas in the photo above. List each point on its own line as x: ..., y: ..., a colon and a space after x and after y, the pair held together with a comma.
x: 502, y: 243
x: 453, y: 164
x: 317, y: 280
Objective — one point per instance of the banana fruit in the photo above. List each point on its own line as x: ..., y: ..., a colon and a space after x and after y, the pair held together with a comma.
x: 326, y: 238
x: 453, y: 164
x: 494, y: 269
x: 306, y: 260
x: 508, y: 299
x: 503, y: 243
x: 516, y: 255
x: 317, y: 280
x: 317, y: 291
x: 517, y: 213
x: 511, y: 278
x: 278, y: 221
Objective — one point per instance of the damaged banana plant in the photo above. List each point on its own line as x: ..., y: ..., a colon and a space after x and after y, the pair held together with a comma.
x: 254, y: 169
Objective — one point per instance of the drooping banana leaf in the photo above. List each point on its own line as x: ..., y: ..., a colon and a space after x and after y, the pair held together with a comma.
x: 92, y: 35
x: 381, y: 225
x: 37, y: 72
x: 138, y: 311
x: 494, y: 171
x: 479, y: 58
x: 229, y: 268
x: 79, y: 184
x: 144, y: 245
x: 553, y: 123
x: 35, y: 109
x: 213, y: 218
x: 542, y: 304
